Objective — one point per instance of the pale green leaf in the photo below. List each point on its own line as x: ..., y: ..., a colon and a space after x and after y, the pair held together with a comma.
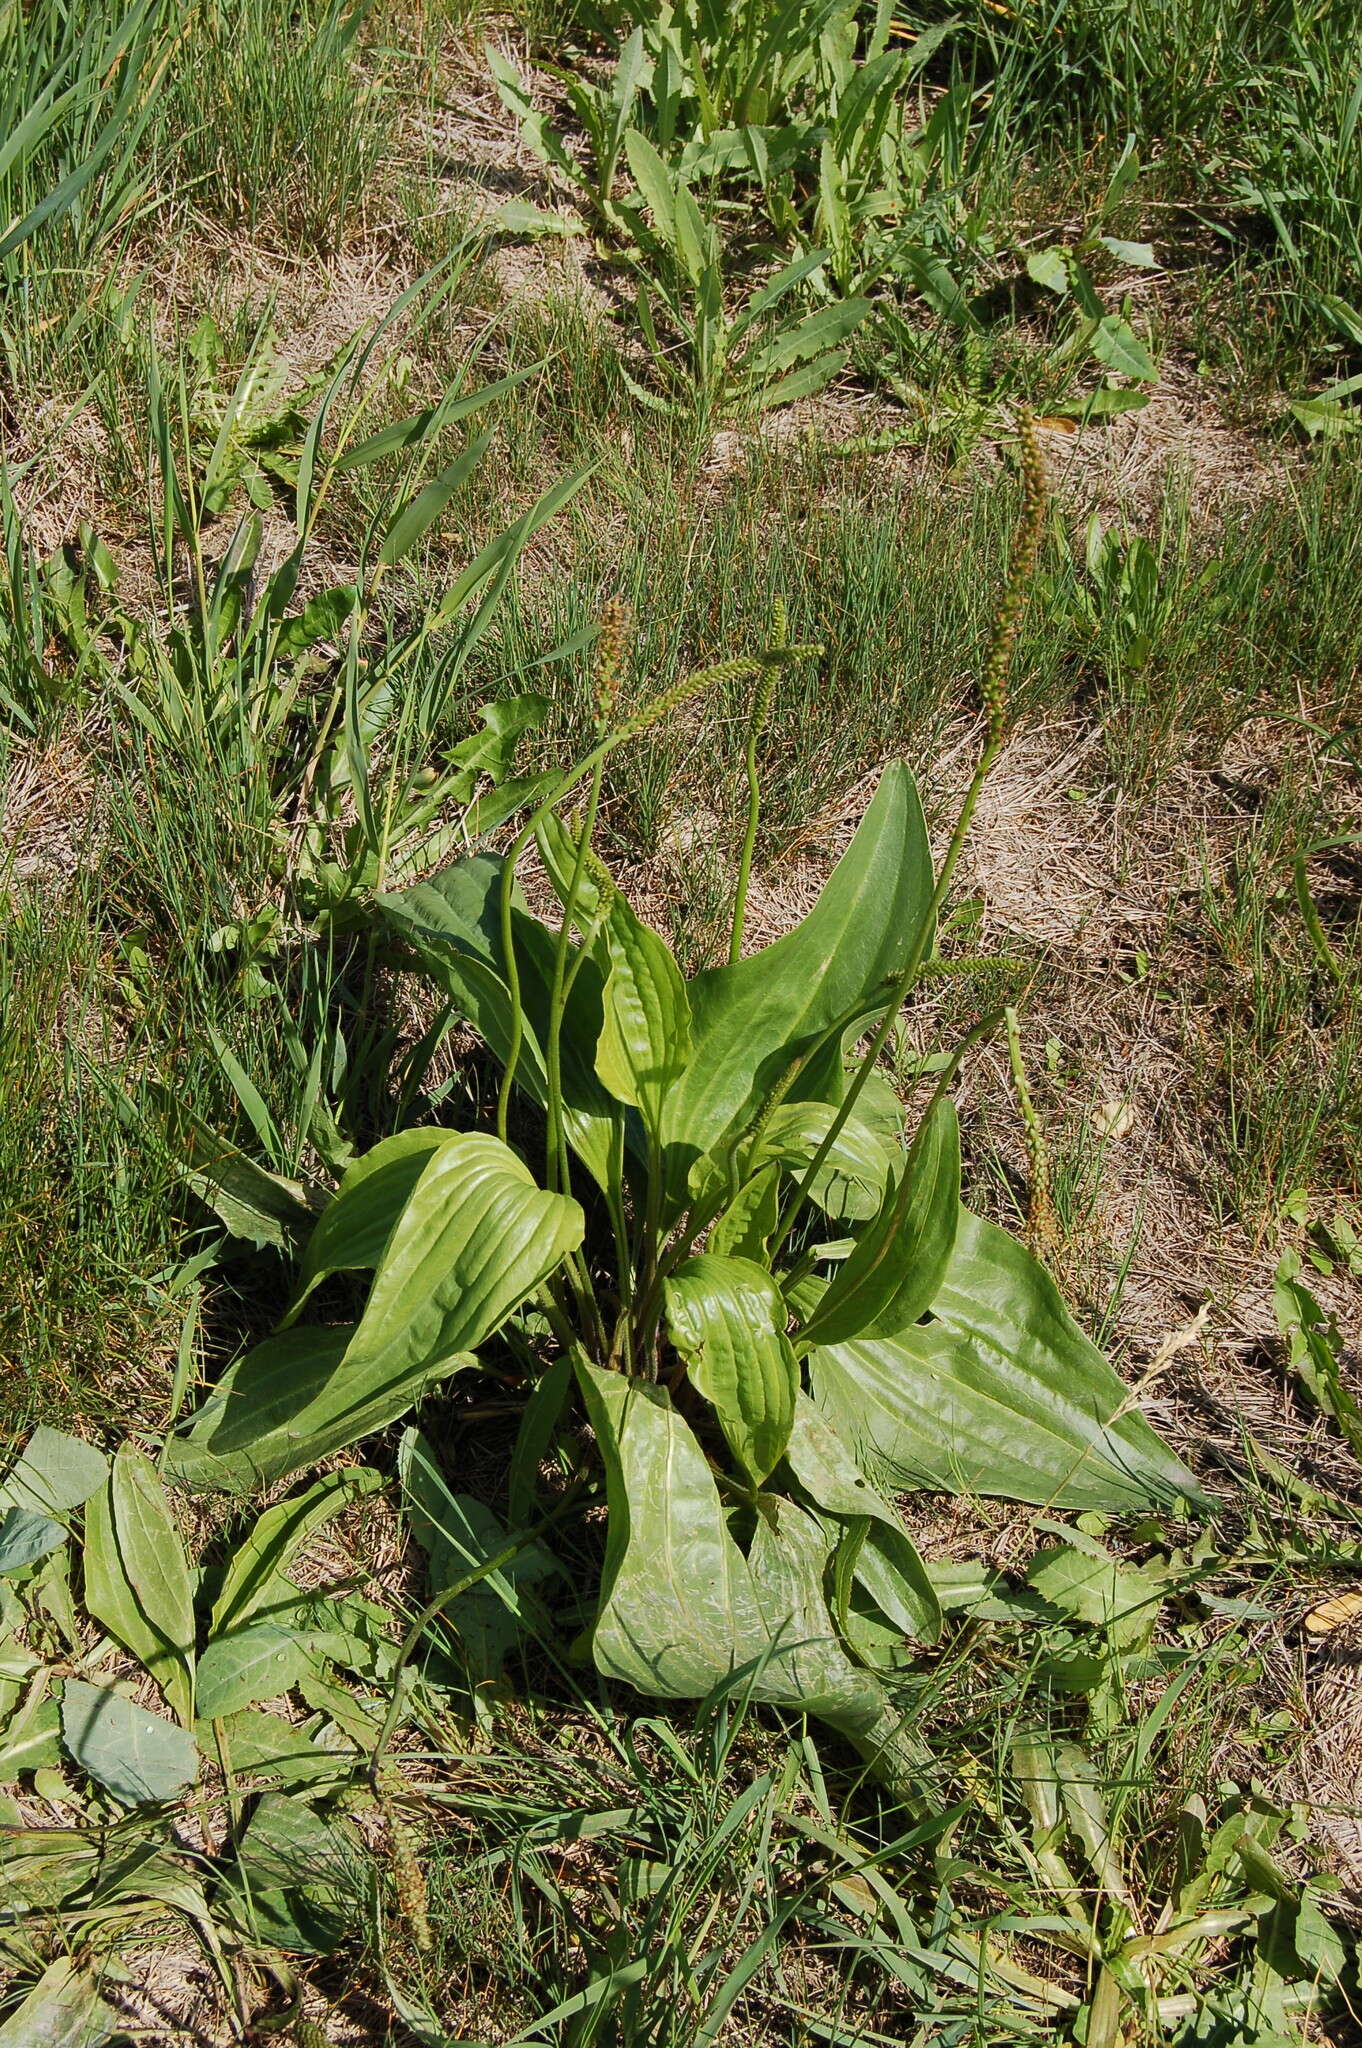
x: 1049, y: 269
x: 63, y: 2010
x: 56, y: 1473
x: 255, y: 1582
x: 1000, y: 1393
x: 683, y: 1610
x: 25, y: 1537
x: 1114, y: 342
x: 140, y: 1758
x: 888, y: 1566
x: 727, y: 1318
x: 153, y: 1559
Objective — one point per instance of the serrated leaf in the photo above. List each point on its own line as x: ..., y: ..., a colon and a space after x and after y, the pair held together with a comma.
x: 727, y: 1319
x: 1049, y: 269
x: 140, y: 1758
x: 1097, y: 1590
x: 1114, y: 342
x: 255, y: 1582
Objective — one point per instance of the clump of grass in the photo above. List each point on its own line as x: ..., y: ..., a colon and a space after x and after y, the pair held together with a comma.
x: 270, y: 124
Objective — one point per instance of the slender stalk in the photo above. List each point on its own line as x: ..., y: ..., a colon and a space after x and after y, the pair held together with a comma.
x: 756, y: 725
x: 556, y: 1170
x: 993, y: 692
x: 897, y: 996
x: 657, y: 708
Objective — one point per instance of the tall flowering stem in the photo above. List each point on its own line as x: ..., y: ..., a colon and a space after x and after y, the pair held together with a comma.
x: 993, y: 690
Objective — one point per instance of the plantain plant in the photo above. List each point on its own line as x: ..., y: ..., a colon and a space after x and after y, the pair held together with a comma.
x: 769, y: 1304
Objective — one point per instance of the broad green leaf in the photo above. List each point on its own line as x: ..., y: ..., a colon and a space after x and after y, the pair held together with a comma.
x: 645, y: 1035
x: 1115, y: 344
x: 746, y: 1228
x: 727, y: 1319
x: 115, y: 1604
x: 752, y: 1019
x: 654, y: 182
x: 902, y: 1255
x: 851, y: 1183
x: 356, y: 1224
x: 1049, y: 269
x: 454, y: 924
x: 55, y: 1474
x: 63, y: 2010
x: 260, y: 1207
x: 1097, y: 1589
x: 264, y: 1745
x: 29, y: 1741
x: 473, y: 1239
x: 889, y: 1566
x: 249, y: 1665
x: 153, y: 1560
x: 255, y: 1582
x: 289, y: 1403
x: 1000, y: 1393
x: 683, y: 1610
x: 458, y: 1534
x: 299, y: 1880
x: 25, y: 1537
x: 138, y: 1757
x: 324, y: 617
x: 1139, y: 255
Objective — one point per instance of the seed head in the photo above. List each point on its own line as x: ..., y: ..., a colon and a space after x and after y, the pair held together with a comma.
x: 610, y: 644
x: 1025, y: 548
x: 658, y: 708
